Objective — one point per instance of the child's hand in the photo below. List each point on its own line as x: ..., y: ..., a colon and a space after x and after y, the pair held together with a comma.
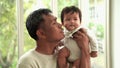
x: 81, y: 39
x: 93, y: 54
x: 64, y: 52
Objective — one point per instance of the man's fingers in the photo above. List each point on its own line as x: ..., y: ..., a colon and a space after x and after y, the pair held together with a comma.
x: 73, y: 67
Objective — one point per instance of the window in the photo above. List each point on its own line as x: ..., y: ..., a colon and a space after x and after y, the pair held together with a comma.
x: 8, y: 34
x: 29, y: 6
x: 95, y: 16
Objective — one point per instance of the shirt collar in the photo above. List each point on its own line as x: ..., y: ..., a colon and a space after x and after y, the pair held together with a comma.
x: 70, y: 33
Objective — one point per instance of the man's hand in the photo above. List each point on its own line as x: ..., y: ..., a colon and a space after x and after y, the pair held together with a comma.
x: 83, y: 30
x: 83, y: 42
x: 81, y: 38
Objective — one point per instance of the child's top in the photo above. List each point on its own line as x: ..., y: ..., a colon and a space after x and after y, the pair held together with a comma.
x: 73, y: 47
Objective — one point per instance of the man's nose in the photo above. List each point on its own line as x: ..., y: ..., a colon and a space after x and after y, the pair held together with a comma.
x: 59, y: 25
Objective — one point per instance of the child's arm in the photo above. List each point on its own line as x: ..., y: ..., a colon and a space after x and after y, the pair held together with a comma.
x: 93, y: 43
x: 76, y: 63
x: 63, y: 54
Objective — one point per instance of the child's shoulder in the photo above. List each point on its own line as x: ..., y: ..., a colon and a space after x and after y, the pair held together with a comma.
x: 83, y: 29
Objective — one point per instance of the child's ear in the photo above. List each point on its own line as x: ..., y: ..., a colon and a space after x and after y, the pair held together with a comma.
x: 40, y: 33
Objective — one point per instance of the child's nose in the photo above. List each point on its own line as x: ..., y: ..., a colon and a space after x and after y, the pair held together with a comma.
x: 72, y: 21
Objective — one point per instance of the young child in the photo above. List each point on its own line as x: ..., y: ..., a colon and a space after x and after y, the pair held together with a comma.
x: 71, y: 20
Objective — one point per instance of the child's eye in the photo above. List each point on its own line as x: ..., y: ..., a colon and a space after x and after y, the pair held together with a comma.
x: 67, y: 19
x: 75, y: 19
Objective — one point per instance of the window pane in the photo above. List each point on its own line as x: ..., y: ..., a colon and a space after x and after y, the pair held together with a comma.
x: 29, y: 6
x: 97, y: 23
x: 63, y: 3
x: 8, y: 34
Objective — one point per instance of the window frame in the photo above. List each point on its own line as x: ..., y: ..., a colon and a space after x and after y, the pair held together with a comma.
x: 20, y: 28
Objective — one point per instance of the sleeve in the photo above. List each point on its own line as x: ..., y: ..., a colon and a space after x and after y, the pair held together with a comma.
x: 25, y: 62
x: 24, y: 66
x: 93, y: 40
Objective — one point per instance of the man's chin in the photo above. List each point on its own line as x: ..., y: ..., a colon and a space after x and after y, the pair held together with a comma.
x: 63, y: 37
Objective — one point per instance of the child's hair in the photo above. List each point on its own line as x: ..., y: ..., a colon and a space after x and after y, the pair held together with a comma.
x: 71, y: 9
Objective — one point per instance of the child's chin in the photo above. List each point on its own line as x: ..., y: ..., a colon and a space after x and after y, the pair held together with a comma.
x: 72, y: 29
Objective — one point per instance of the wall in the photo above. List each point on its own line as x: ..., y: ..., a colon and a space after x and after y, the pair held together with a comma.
x: 115, y: 32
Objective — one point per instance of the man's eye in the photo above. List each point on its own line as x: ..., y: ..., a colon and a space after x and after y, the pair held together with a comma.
x: 54, y: 22
x: 75, y: 19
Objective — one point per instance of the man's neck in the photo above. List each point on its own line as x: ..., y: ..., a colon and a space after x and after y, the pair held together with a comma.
x: 46, y: 48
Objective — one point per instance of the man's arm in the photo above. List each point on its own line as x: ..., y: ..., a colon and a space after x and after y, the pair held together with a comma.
x: 83, y: 42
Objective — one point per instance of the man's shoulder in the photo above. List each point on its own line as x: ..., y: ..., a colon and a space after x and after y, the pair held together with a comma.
x: 26, y: 60
x: 28, y: 56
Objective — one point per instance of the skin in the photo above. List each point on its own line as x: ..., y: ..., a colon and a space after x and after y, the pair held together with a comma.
x: 49, y: 36
x: 71, y: 22
x: 83, y: 41
x: 84, y: 61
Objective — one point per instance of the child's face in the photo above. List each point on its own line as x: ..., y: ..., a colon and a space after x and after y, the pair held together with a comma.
x: 71, y: 21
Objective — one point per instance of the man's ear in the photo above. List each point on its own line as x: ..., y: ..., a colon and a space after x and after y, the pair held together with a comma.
x: 40, y: 33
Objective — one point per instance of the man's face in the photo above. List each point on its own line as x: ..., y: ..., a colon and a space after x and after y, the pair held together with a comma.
x: 71, y: 21
x: 53, y: 30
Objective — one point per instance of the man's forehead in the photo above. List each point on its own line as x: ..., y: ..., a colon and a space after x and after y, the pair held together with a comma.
x: 49, y: 16
x: 53, y: 15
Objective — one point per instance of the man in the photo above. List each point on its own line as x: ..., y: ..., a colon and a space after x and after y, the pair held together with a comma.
x: 43, y: 27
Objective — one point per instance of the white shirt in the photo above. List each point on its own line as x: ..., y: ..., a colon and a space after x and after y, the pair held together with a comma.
x: 73, y: 47
x: 33, y: 59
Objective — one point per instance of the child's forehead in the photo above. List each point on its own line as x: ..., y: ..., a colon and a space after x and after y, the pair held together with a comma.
x: 70, y: 13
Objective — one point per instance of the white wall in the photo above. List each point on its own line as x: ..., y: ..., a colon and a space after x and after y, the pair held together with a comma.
x: 115, y: 32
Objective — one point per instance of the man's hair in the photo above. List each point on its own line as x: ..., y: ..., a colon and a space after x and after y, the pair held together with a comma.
x: 71, y: 9
x: 34, y: 20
